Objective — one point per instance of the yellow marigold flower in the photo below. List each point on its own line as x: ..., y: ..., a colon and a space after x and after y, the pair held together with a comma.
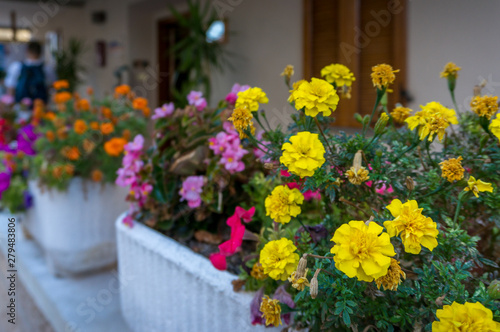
x: 258, y: 272
x: 494, y: 126
x: 251, y: 98
x: 317, y: 96
x: 485, y: 106
x: 393, y: 278
x: 80, y: 127
x: 362, y: 251
x: 450, y: 70
x: 383, y: 75
x: 295, y: 87
x: 271, y: 311
x: 288, y: 71
x: 338, y: 74
x: 357, y: 174
x: 468, y: 317
x: 415, y: 229
x: 299, y: 283
x: 400, y: 114
x: 452, y: 169
x: 279, y: 259
x: 433, y: 119
x: 242, y: 120
x: 61, y: 84
x: 304, y: 154
x: 477, y: 186
x: 283, y: 204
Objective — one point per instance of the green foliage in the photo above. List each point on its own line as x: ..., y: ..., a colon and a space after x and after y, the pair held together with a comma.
x: 69, y: 63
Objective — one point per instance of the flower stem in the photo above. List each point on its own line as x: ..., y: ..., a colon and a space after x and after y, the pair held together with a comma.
x: 324, y: 136
x: 459, y: 205
x: 317, y: 256
x: 380, y: 94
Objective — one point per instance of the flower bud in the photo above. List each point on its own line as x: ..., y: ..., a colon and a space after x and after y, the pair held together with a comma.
x: 379, y: 153
x: 270, y: 166
x: 381, y: 123
x: 301, y: 268
x: 410, y: 184
x: 357, y: 160
x: 494, y: 289
x: 358, y: 117
x: 366, y: 119
x: 313, y: 288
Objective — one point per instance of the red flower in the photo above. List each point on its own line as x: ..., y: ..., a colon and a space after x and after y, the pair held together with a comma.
x: 218, y: 261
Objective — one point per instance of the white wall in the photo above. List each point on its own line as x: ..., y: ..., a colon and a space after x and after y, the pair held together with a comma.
x: 465, y: 32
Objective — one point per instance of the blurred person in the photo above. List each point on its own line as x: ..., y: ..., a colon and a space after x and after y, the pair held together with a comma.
x: 30, y: 78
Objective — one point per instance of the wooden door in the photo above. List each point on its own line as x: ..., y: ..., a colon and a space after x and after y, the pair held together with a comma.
x: 358, y: 34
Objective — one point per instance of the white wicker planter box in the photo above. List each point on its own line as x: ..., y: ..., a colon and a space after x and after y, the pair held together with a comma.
x: 165, y: 286
x: 75, y: 228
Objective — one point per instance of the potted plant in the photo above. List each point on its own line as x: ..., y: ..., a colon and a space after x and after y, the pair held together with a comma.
x: 79, y: 150
x: 188, y: 186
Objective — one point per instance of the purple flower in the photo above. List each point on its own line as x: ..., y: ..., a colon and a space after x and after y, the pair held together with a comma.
x: 136, y: 145
x: 191, y: 190
x: 26, y: 138
x: 7, y: 99
x: 255, y: 313
x: 4, y: 182
x: 27, y: 199
x: 164, y: 111
x: 26, y: 101
x: 195, y: 98
x: 284, y: 297
x: 233, y: 95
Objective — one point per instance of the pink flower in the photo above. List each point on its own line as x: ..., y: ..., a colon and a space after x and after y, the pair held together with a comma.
x: 285, y: 173
x: 309, y: 195
x: 231, y: 160
x: 195, y: 98
x: 231, y: 246
x: 384, y: 189
x: 218, y: 261
x: 128, y: 220
x: 136, y: 145
x: 7, y: 99
x: 233, y: 95
x: 26, y: 101
x: 244, y: 214
x: 191, y: 189
x: 164, y: 111
x: 261, y: 153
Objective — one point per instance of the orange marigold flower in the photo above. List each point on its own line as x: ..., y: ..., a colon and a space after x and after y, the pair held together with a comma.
x: 80, y: 127
x: 62, y: 133
x: 38, y: 112
x: 146, y: 112
x: 72, y: 153
x: 97, y: 175
x: 38, y: 103
x: 114, y: 147
x: 88, y: 146
x: 83, y: 105
x: 90, y: 91
x: 69, y: 169
x: 126, y: 134
x: 61, y: 84
x: 57, y: 172
x: 107, y: 128
x: 94, y: 125
x: 50, y: 136
x: 140, y: 103
x: 106, y: 112
x: 50, y: 116
x: 62, y: 97
x: 122, y: 90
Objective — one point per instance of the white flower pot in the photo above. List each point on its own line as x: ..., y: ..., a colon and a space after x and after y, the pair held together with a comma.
x: 75, y: 228
x: 165, y: 286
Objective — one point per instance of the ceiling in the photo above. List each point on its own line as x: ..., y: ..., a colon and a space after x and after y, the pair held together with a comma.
x: 75, y: 3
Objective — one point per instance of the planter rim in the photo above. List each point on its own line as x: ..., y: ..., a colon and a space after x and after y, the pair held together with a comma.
x: 198, y: 265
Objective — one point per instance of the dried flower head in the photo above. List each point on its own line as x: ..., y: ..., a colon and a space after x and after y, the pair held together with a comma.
x: 297, y: 282
x: 242, y: 120
x: 452, y: 169
x: 288, y: 72
x: 485, y: 106
x: 258, y: 272
x: 357, y: 174
x: 271, y: 311
x: 313, y: 287
x: 393, y: 277
x: 383, y: 75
